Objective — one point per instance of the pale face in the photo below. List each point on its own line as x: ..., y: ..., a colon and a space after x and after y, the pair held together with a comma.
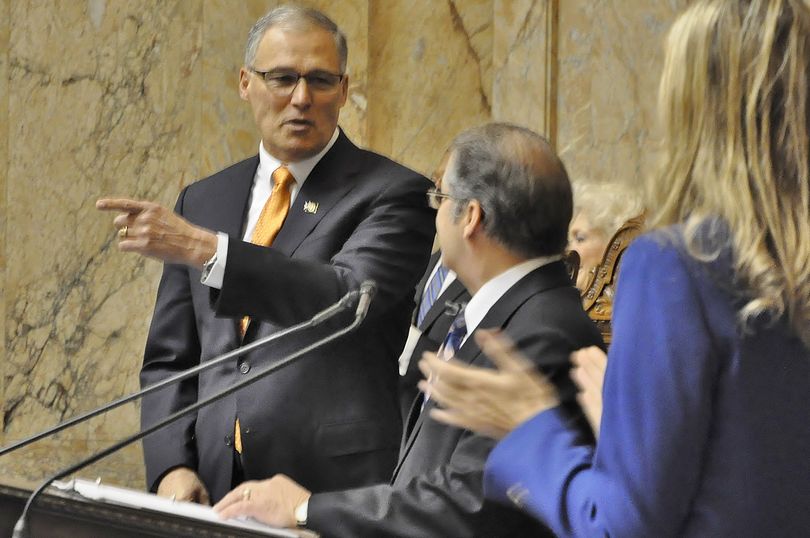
x: 296, y: 126
x: 590, y: 244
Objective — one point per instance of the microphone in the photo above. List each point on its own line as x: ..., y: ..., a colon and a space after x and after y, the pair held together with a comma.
x: 20, y: 528
x: 343, y: 304
x: 367, y: 290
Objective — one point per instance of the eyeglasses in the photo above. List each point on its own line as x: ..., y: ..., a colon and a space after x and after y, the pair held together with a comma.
x: 284, y: 82
x: 435, y: 197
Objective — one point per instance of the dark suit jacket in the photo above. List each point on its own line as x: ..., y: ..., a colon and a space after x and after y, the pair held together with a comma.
x: 434, y: 328
x: 437, y: 486
x: 331, y: 420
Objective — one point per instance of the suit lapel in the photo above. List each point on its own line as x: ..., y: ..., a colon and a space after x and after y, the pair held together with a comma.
x: 454, y: 290
x: 231, y: 214
x: 547, y: 277
x: 233, y: 202
x: 329, y: 181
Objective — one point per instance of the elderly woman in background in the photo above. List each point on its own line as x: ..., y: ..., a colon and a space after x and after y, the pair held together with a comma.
x: 705, y: 429
x: 600, y: 209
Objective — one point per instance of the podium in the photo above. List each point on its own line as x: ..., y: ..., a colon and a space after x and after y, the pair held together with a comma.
x: 57, y: 514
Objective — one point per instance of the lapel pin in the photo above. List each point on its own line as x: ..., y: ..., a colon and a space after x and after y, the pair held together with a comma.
x: 310, y: 207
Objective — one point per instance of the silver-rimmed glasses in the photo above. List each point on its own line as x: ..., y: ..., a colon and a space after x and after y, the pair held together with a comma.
x: 284, y: 82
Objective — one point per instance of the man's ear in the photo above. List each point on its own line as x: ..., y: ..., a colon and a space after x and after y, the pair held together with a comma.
x: 244, y: 82
x: 344, y: 90
x: 473, y: 216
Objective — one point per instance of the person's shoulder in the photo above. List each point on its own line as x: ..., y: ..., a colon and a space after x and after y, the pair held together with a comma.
x: 553, y: 305
x: 702, y: 251
x: 662, y: 249
x: 223, y: 179
x: 378, y: 167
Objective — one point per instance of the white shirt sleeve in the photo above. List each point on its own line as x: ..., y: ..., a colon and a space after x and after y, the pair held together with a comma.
x: 213, y: 278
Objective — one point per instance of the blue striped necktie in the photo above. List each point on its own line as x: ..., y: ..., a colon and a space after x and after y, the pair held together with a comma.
x: 452, y: 342
x: 455, y: 336
x: 431, y: 293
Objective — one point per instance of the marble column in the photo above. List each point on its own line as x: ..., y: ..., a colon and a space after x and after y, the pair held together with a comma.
x: 610, y: 58
x: 521, y: 52
x: 5, y: 8
x: 431, y: 76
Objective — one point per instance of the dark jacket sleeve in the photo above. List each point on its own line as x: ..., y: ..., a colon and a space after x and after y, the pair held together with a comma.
x: 389, y: 245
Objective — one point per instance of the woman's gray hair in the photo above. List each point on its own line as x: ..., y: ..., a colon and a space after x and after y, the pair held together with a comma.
x: 519, y: 181
x: 297, y: 17
x: 606, y: 205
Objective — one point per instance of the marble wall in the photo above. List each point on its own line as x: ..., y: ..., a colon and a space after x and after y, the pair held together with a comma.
x: 139, y: 97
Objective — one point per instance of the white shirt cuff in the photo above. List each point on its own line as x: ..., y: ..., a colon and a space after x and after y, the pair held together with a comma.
x: 214, y: 277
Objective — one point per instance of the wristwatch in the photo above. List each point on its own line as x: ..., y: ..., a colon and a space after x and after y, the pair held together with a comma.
x: 301, y: 513
x: 206, y: 270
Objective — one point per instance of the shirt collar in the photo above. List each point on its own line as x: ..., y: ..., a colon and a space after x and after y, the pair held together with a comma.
x: 496, y: 287
x: 301, y: 169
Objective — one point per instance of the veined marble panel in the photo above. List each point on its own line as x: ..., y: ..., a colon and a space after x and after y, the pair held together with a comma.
x: 4, y: 132
x: 430, y: 66
x: 520, y: 53
x: 229, y: 133
x: 49, y: 456
x: 610, y: 59
x: 104, y: 99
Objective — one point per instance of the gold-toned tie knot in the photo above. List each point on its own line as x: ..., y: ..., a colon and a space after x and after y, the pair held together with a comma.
x: 282, y: 178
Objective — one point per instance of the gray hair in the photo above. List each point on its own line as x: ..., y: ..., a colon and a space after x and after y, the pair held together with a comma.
x: 606, y: 205
x: 299, y: 18
x: 521, y: 184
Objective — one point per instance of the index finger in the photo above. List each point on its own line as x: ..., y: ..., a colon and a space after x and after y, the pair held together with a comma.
x: 121, y: 204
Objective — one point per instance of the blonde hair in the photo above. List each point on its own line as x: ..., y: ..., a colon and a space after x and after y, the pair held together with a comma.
x: 606, y: 205
x: 734, y: 105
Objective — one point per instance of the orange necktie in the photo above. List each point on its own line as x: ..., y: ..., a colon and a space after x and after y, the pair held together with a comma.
x: 270, y: 221
x: 272, y: 217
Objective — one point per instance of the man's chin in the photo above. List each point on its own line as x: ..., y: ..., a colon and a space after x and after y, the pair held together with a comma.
x: 295, y: 150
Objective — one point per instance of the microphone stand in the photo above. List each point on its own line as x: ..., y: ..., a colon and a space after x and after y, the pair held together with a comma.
x: 368, y: 288
x: 317, y: 319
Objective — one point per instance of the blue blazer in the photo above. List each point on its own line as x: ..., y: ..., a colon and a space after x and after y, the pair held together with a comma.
x: 705, y: 429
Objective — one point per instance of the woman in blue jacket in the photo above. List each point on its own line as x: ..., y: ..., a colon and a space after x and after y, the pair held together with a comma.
x: 706, y: 423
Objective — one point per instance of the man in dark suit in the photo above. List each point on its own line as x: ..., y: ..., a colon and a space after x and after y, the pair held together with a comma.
x: 503, y: 213
x: 263, y: 245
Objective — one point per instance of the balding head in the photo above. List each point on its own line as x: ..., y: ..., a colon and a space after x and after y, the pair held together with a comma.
x: 520, y: 183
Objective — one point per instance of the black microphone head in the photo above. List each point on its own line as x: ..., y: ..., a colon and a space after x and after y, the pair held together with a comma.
x: 367, y: 290
x: 368, y: 287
